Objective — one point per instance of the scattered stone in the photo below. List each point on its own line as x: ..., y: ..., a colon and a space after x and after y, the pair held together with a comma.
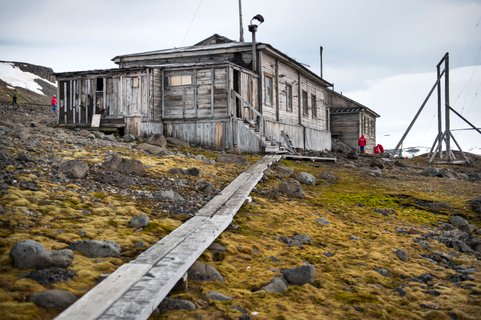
x: 402, y: 255
x: 434, y: 293
x: 376, y: 172
x: 300, y: 275
x: 167, y: 195
x: 322, y: 221
x: 384, y: 211
x: 109, y: 137
x: 84, y: 133
x: 284, y: 171
x: 459, y: 223
x: 328, y: 254
x: 231, y: 159
x: 400, y: 291
x: 177, y: 142
x: 195, y: 172
x: 353, y: 237
x: 74, y: 169
x: 201, y: 271
x: 129, y: 138
x: 214, y: 295
x: 51, y: 275
x: 175, y: 304
x: 475, y: 204
x: 383, y: 272
x: 291, y: 188
x: 140, y: 221
x: 29, y: 254
x: 306, y: 178
x: 217, y: 247
x: 278, y: 285
x: 23, y: 157
x: 426, y: 277
x: 132, y: 166
x: 431, y: 172
x: 58, y: 299
x: 98, y: 134
x: 157, y: 139
x: 155, y: 150
x: 459, y: 277
x: 376, y: 163
x: 352, y: 155
x: 328, y: 176
x: 401, y: 230
x: 96, y: 248
x: 298, y: 240
x: 207, y: 187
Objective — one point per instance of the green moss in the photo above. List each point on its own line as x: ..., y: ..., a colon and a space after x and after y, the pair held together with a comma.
x: 348, y: 297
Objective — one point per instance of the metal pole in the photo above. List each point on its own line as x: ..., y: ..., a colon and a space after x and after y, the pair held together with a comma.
x: 440, y: 122
x: 322, y: 49
x: 446, y: 102
x: 241, y: 37
x: 253, y: 29
x: 472, y: 125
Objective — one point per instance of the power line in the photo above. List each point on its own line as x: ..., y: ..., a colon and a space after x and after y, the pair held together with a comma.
x: 191, y: 22
x: 468, y: 43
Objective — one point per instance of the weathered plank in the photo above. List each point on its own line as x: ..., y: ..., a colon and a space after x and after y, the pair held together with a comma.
x: 306, y: 158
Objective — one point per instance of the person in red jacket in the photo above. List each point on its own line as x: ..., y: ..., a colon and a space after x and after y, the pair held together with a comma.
x: 54, y: 103
x: 362, y: 143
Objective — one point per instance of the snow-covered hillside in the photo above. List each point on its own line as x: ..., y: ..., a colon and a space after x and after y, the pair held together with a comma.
x: 15, y: 77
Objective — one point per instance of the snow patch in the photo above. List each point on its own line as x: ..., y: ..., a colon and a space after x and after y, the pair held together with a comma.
x: 15, y: 77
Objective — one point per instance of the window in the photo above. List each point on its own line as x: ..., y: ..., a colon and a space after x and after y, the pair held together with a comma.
x: 268, y: 87
x: 100, y: 84
x: 305, y: 107
x: 314, y: 105
x: 180, y: 80
x: 288, y: 97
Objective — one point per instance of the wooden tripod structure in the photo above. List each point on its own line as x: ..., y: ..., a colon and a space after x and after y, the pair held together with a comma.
x: 445, y: 136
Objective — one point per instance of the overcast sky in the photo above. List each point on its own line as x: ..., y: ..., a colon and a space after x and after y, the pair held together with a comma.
x: 365, y: 41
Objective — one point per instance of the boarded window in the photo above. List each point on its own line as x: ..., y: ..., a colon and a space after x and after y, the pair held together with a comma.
x: 180, y: 80
x: 314, y: 105
x: 288, y: 97
x: 135, y: 82
x: 305, y: 107
x: 268, y: 87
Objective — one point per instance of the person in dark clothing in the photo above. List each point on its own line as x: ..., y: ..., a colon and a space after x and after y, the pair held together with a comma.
x: 14, y: 99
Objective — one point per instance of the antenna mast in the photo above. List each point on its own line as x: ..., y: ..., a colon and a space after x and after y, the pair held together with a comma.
x: 241, y: 38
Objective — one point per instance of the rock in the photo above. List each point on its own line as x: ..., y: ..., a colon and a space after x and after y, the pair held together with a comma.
x: 29, y: 254
x: 327, y: 176
x: 51, y: 275
x: 23, y: 157
x: 206, y: 187
x: 98, y: 134
x: 431, y: 172
x: 157, y: 139
x: 278, y: 285
x: 300, y: 275
x: 177, y: 142
x: 109, y: 137
x: 376, y: 163
x: 400, y: 291
x: 376, y: 172
x: 306, y: 178
x: 355, y: 238
x: 322, y: 221
x: 383, y: 272
x: 297, y: 240
x: 84, y: 133
x: 59, y: 299
x: 291, y: 188
x: 132, y: 166
x: 216, y: 247
x: 167, y: 195
x: 155, y: 150
x: 175, y: 304
x: 214, y: 295
x: 129, y: 138
x: 475, y: 204
x: 352, y: 155
x: 201, y: 271
x: 140, y: 221
x: 74, y: 169
x: 284, y: 171
x: 96, y: 248
x: 402, y: 255
x: 384, y: 211
x: 328, y: 254
x: 231, y: 159
x: 459, y: 223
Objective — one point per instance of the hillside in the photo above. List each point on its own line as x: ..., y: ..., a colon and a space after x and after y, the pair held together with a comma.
x: 388, y: 242
x: 32, y: 84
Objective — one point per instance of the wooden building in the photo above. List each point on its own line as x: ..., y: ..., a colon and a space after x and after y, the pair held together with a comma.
x: 350, y: 119
x: 208, y: 94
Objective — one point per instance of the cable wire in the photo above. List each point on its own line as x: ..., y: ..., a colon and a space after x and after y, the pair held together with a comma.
x: 191, y: 22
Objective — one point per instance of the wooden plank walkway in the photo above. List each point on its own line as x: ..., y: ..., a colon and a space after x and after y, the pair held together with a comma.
x: 307, y: 158
x: 135, y: 289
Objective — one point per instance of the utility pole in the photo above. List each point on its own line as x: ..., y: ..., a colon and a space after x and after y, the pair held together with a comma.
x: 241, y: 37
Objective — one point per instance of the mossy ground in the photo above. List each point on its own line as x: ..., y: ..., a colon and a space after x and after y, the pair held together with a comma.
x: 347, y: 285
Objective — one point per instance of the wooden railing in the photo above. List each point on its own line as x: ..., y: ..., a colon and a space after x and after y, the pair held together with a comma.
x: 249, y: 113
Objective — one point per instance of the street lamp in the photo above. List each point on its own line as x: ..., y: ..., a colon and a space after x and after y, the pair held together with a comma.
x: 253, y: 29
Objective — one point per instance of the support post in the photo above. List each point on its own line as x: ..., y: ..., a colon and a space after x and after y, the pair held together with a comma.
x: 446, y: 103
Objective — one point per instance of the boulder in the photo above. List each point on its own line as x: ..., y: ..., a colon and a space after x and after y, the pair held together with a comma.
x: 306, y: 178
x: 201, y: 271
x: 383, y: 272
x: 278, y: 285
x: 402, y: 255
x: 140, y: 221
x: 29, y: 254
x: 84, y: 133
x: 475, y: 204
x: 132, y: 166
x: 155, y: 150
x: 432, y: 172
x: 231, y: 159
x: 177, y: 142
x: 376, y: 163
x: 58, y: 299
x: 214, y: 295
x: 291, y: 188
x: 327, y: 176
x: 109, y: 137
x: 459, y: 223
x: 51, y: 275
x: 167, y: 195
x: 157, y: 139
x: 206, y: 187
x: 284, y: 171
x: 98, y: 134
x: 175, y: 304
x: 129, y: 138
x: 96, y: 248
x: 74, y: 169
x: 300, y: 275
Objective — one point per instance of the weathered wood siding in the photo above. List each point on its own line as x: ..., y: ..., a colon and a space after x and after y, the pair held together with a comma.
x: 207, y: 133
x: 301, y: 137
x: 247, y: 141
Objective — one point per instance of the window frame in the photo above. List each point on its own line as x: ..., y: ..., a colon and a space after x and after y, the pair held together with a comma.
x: 305, y: 103
x: 269, y: 94
x: 314, y: 105
x: 181, y: 77
x: 289, y: 104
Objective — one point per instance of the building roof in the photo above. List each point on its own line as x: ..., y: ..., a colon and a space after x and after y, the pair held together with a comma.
x: 355, y: 106
x: 216, y: 43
